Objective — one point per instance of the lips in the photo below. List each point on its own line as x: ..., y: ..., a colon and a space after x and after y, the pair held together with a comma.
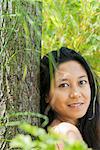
x: 76, y: 105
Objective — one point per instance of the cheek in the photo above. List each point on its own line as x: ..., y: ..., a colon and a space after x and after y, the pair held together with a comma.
x: 59, y: 99
x: 88, y: 93
x: 54, y: 99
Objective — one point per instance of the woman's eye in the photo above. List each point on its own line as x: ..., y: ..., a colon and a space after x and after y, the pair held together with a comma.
x: 64, y: 85
x: 82, y: 82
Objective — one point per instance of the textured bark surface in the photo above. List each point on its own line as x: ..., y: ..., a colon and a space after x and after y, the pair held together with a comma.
x: 19, y: 64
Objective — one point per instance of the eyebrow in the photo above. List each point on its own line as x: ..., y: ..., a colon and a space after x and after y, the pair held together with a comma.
x: 83, y: 76
x: 66, y: 79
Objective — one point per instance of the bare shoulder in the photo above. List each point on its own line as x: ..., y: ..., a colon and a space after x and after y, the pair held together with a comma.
x: 69, y: 130
x: 64, y: 126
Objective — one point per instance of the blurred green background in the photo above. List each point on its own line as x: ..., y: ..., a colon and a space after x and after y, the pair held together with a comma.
x: 74, y: 24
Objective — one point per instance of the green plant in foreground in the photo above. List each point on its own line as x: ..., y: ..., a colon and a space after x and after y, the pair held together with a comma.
x: 41, y: 140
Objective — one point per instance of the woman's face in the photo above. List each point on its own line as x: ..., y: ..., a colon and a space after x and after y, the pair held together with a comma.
x: 70, y: 91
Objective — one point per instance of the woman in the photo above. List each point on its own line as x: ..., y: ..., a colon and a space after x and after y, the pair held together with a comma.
x: 69, y: 96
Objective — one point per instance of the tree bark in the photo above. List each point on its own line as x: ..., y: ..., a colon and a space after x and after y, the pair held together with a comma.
x: 20, y: 29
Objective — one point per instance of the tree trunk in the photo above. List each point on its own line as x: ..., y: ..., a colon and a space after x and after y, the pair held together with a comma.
x: 20, y: 29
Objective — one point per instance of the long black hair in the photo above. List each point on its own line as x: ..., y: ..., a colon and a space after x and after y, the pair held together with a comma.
x: 89, y: 123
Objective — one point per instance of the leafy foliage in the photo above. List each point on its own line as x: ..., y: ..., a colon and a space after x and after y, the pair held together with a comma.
x: 42, y: 140
x: 36, y: 138
x: 74, y: 24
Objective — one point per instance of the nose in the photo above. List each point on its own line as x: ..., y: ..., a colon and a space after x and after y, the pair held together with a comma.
x: 75, y: 94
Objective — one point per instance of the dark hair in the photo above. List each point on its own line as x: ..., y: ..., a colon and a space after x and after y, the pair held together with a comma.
x: 88, y: 124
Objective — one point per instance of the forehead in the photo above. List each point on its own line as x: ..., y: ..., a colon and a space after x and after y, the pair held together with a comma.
x: 70, y: 68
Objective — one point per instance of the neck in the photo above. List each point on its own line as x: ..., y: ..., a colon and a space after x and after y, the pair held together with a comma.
x: 60, y: 119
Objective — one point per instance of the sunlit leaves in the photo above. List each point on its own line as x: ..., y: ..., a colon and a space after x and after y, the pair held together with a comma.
x: 74, y: 24
x: 42, y: 140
